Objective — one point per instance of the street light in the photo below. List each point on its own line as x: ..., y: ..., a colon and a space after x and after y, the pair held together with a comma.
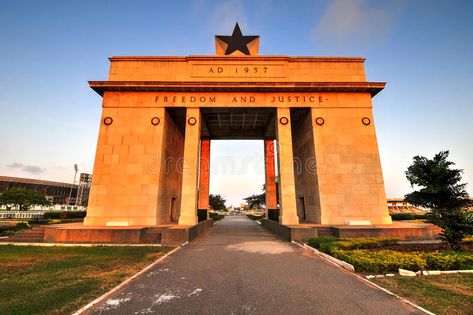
x: 76, y: 169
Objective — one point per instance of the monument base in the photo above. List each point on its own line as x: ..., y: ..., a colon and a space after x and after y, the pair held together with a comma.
x: 403, y: 230
x: 169, y: 235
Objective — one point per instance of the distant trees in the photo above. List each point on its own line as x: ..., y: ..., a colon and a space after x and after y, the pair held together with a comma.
x: 217, y: 202
x: 23, y: 199
x: 256, y: 201
x: 441, y: 191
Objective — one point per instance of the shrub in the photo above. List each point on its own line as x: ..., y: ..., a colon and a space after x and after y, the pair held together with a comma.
x: 65, y: 214
x: 12, y: 229
x: 22, y: 225
x: 215, y: 216
x: 366, y: 243
x: 255, y: 217
x: 323, y: 244
x: 449, y: 260
x: 355, y: 251
x: 408, y: 216
x: 327, y: 245
x: 381, y: 261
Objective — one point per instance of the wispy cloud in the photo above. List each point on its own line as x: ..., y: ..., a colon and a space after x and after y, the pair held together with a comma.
x: 349, y: 21
x: 226, y: 14
x: 31, y: 169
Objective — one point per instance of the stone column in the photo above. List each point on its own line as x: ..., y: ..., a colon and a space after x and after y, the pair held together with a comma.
x: 190, y: 167
x: 287, y: 190
x: 270, y: 175
x: 204, y: 178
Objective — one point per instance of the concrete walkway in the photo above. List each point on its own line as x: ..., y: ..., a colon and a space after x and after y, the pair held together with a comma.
x: 240, y: 268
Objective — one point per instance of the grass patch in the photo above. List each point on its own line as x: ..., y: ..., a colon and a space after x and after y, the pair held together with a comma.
x: 443, y: 294
x: 60, y: 280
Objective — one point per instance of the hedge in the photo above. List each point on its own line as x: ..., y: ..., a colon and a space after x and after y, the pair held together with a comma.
x: 408, y: 216
x: 65, y: 214
x: 354, y: 251
x: 255, y: 217
x: 215, y: 216
x: 327, y: 245
x: 381, y: 261
x: 391, y: 261
x: 12, y: 229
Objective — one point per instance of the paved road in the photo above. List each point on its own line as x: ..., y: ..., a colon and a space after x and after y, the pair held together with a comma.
x: 240, y: 268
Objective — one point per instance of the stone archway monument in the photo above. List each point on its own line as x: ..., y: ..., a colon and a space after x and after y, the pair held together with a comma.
x: 160, y: 115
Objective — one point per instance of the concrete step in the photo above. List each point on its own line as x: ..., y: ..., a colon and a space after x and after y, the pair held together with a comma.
x: 152, y: 236
x: 325, y: 232
x: 36, y: 234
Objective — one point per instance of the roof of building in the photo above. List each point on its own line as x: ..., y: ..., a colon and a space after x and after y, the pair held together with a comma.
x: 34, y: 181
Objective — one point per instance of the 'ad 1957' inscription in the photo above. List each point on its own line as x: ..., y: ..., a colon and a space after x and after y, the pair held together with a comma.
x: 238, y: 70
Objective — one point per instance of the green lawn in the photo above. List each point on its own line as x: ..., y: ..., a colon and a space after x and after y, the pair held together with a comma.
x: 442, y: 294
x: 60, y: 280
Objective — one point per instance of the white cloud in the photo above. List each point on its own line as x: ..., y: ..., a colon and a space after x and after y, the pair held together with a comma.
x: 349, y: 21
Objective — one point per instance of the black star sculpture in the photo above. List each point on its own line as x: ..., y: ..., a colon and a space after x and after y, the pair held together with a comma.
x: 237, y: 41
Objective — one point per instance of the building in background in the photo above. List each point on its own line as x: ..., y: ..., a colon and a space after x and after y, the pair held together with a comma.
x: 56, y: 192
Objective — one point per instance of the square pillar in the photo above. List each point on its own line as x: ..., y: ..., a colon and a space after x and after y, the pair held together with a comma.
x: 128, y: 170
x: 204, y: 178
x: 270, y: 175
x: 190, y: 168
x: 349, y: 175
x: 287, y: 190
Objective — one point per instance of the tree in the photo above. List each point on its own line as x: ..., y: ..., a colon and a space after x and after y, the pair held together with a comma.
x: 256, y: 201
x: 441, y: 192
x: 217, y: 202
x: 23, y: 198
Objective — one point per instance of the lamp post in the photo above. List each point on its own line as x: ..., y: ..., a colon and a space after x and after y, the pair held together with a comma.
x: 76, y: 169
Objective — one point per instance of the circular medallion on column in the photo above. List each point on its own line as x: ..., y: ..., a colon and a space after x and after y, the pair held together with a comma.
x: 366, y: 121
x: 108, y: 120
x: 192, y: 121
x: 155, y: 121
x: 283, y: 120
x: 319, y: 121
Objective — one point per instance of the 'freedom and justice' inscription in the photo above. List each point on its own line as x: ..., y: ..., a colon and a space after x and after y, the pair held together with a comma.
x: 231, y: 99
x: 238, y: 70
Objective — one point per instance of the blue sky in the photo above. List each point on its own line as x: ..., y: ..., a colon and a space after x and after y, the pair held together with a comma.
x: 49, y: 117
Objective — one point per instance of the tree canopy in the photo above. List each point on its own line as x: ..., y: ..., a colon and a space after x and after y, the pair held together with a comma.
x: 441, y: 192
x: 217, y: 202
x: 256, y: 201
x: 23, y: 199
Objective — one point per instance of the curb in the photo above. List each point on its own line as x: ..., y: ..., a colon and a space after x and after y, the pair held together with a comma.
x: 331, y: 259
x: 343, y: 264
x: 78, y: 244
x: 124, y: 283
